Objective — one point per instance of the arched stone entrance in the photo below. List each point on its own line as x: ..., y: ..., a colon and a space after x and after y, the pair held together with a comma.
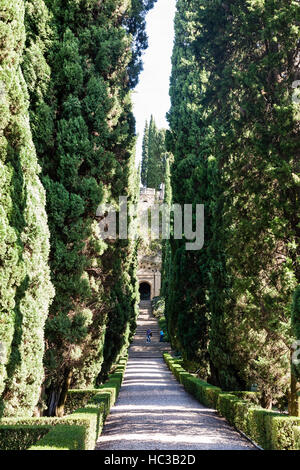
x: 145, y: 291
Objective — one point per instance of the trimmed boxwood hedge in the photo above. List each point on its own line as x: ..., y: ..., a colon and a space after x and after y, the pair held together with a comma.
x: 20, y: 437
x: 297, y: 437
x: 64, y: 437
x: 269, y: 429
x: 78, y: 430
x: 78, y: 399
x: 21, y: 433
x: 106, y: 393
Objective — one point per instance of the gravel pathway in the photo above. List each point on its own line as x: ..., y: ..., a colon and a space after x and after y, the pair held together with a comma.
x: 154, y: 412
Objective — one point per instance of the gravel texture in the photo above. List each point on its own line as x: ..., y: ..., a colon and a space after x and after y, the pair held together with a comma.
x: 154, y: 412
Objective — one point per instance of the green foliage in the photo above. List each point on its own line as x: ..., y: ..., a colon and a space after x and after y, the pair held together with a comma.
x: 80, y: 61
x: 65, y: 437
x: 154, y: 156
x: 297, y: 437
x: 204, y: 392
x: 234, y: 134
x: 158, y: 306
x: 78, y: 399
x: 85, y: 424
x: 162, y: 322
x: 20, y: 437
x: 30, y: 430
x: 25, y: 288
x: 79, y: 430
x: 283, y: 432
x: 106, y: 393
x: 145, y: 156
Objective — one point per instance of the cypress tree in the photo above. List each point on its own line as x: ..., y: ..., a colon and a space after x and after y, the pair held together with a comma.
x: 234, y: 135
x: 261, y: 197
x: 26, y: 290
x: 87, y: 58
x: 144, y: 168
x: 156, y: 156
x: 186, y: 307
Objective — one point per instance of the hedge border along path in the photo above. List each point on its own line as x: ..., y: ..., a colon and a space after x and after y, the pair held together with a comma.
x: 76, y: 431
x: 270, y: 430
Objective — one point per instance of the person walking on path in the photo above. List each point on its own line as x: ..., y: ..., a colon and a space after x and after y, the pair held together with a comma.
x: 161, y: 337
x: 149, y: 334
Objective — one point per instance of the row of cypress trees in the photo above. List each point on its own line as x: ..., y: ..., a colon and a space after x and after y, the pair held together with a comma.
x: 234, y: 133
x: 154, y: 155
x: 67, y: 138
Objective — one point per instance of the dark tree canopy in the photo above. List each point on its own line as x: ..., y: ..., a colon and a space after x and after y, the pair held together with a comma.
x: 234, y: 133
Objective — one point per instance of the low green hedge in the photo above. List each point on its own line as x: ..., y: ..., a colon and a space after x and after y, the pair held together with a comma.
x: 282, y: 434
x: 78, y: 430
x: 78, y: 399
x: 204, y: 392
x: 269, y: 429
x: 21, y: 433
x: 297, y: 437
x: 64, y: 437
x: 32, y: 433
x: 20, y: 437
x: 106, y: 393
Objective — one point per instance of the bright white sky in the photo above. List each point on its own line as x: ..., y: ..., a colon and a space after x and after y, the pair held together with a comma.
x: 151, y: 96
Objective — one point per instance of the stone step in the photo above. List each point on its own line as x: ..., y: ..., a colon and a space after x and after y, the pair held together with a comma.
x: 139, y: 347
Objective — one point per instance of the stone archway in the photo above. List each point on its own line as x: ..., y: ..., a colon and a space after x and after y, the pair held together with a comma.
x: 145, y: 291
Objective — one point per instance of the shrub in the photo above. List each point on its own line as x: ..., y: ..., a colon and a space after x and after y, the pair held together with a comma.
x: 158, y: 306
x: 64, y: 437
x: 78, y: 399
x: 259, y: 426
x: 19, y: 437
x: 106, y: 393
x: 226, y: 406
x: 202, y: 391
x: 296, y: 437
x: 92, y: 418
x: 77, y: 431
x: 241, y: 415
x: 282, y: 437
x: 106, y: 398
x: 21, y: 433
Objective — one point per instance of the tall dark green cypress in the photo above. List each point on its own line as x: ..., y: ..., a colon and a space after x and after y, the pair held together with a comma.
x: 259, y: 158
x: 186, y: 307
x: 81, y: 60
x: 235, y: 138
x: 145, y: 156
x: 25, y: 288
x: 154, y: 156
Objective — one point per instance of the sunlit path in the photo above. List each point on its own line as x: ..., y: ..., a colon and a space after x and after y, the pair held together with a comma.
x: 154, y: 412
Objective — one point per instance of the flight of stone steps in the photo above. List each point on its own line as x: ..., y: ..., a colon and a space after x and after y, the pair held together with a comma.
x: 139, y: 347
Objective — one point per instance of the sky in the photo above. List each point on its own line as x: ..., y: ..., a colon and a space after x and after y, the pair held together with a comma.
x: 151, y: 96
